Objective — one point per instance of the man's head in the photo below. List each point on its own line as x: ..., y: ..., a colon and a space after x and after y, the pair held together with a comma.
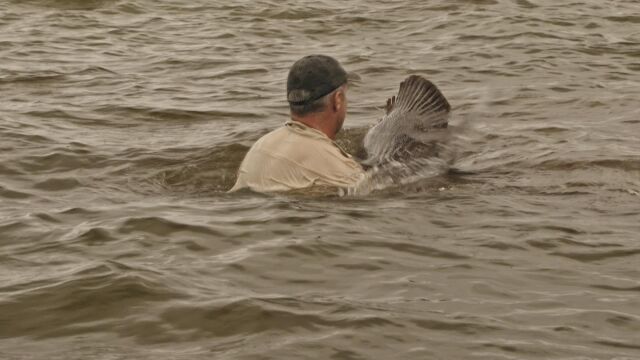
x: 317, y: 86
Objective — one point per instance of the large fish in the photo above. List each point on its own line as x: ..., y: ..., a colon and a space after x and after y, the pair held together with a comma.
x: 414, y: 125
x: 411, y: 141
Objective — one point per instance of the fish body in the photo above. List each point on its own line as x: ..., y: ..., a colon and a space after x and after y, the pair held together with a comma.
x: 414, y: 125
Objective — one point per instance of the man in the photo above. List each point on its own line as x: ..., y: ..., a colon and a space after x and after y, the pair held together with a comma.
x: 302, y: 153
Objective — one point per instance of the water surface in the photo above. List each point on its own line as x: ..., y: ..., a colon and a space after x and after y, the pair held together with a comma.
x: 122, y: 123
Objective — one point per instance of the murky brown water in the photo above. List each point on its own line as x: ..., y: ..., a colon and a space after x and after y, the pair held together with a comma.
x: 123, y: 122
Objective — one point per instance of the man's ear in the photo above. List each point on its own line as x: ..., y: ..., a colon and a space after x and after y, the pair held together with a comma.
x: 338, y: 100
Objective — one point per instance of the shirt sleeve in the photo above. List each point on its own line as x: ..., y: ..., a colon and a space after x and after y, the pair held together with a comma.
x: 335, y: 168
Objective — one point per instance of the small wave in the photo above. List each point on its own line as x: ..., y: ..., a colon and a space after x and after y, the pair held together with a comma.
x: 532, y: 34
x: 25, y: 134
x: 381, y: 69
x: 293, y: 13
x: 526, y: 4
x: 619, y: 344
x: 372, y: 20
x: 76, y: 303
x: 634, y: 19
x: 79, y: 211
x: 546, y: 129
x: 200, y: 64
x: 617, y: 288
x: 12, y: 194
x: 131, y: 8
x: 501, y: 245
x: 612, y: 163
x: 486, y: 288
x: 160, y: 226
x: 95, y: 236
x: 140, y: 113
x: 313, y: 250
x: 594, y: 256
x: 237, y: 72
x: 36, y: 77
x: 70, y: 4
x: 462, y: 327
x: 249, y: 316
x: 9, y: 170
x: 93, y: 70
x: 70, y: 116
x: 61, y: 160
x: 58, y: 184
x: 6, y: 228
x: 555, y: 242
x: 410, y: 248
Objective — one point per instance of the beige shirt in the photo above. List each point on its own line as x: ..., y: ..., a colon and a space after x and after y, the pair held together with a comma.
x: 296, y: 156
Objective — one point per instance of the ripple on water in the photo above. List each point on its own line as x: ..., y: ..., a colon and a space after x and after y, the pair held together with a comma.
x: 140, y: 114
x: 70, y: 4
x: 12, y: 194
x: 91, y: 299
x: 58, y: 184
x: 598, y: 256
x: 165, y: 227
x: 410, y: 248
x: 254, y: 316
x: 62, y: 160
x: 123, y: 122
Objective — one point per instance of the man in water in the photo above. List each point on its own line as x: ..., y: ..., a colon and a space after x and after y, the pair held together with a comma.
x: 302, y: 153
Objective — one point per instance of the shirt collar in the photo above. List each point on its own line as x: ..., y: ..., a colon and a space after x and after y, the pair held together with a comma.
x: 305, y: 130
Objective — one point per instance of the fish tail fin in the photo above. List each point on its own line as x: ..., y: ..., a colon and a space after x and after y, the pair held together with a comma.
x: 421, y: 96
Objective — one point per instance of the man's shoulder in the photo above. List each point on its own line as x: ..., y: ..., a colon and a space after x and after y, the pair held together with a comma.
x: 297, y: 141
x: 272, y: 136
x: 291, y: 132
x: 280, y: 130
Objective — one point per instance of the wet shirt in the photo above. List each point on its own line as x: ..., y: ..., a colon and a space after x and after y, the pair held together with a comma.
x: 296, y: 156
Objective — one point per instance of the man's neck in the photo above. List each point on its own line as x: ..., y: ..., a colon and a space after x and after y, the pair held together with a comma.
x: 318, y: 121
